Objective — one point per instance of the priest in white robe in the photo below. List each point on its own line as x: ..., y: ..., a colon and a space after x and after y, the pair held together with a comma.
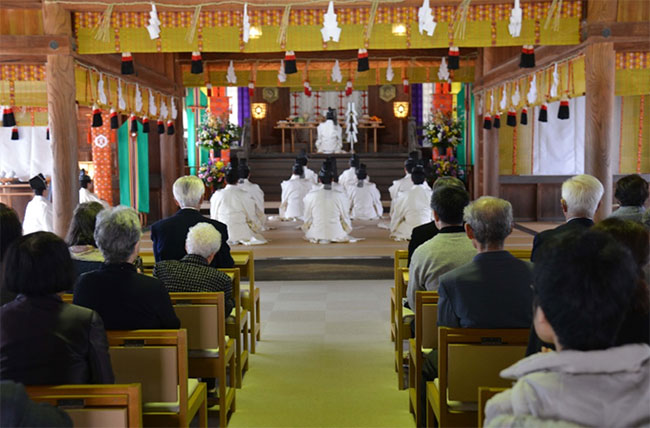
x: 234, y: 207
x: 403, y: 184
x: 412, y: 208
x: 294, y: 190
x: 348, y: 178
x: 86, y: 188
x: 307, y: 173
x: 365, y: 200
x: 330, y: 135
x: 252, y: 189
x: 38, y: 214
x: 327, y: 213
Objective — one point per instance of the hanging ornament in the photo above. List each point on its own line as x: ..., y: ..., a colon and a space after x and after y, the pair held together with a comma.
x: 405, y: 86
x: 497, y: 121
x: 527, y: 59
x: 514, y: 27
x: 208, y: 89
x: 532, y: 91
x: 556, y: 82
x: 426, y: 23
x: 390, y: 74
x: 154, y: 23
x: 164, y: 112
x: 282, y: 76
x: 145, y: 125
x: 524, y: 116
x: 101, y: 93
x: 112, y: 116
x: 330, y: 30
x: 307, y: 88
x: 336, y: 72
x: 127, y: 63
x: 443, y: 71
x: 8, y: 117
x: 197, y: 63
x: 121, y: 103
x: 504, y: 96
x: 161, y: 126
x: 454, y: 58
x: 563, y: 111
x: 170, y: 127
x: 47, y: 134
x: 134, y: 124
x: 251, y: 89
x: 362, y: 60
x: 511, y: 119
x: 153, y: 110
x: 174, y: 110
x: 487, y: 122
x: 543, y: 113
x: 14, y: 133
x: 348, y: 88
x: 246, y: 24
x: 138, y: 98
x: 97, y: 117
x: 290, y: 63
x: 231, y: 77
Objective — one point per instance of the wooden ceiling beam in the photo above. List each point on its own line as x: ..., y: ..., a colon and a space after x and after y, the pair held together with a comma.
x: 618, y: 32
x: 28, y: 46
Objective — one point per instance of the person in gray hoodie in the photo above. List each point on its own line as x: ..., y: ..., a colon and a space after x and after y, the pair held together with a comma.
x: 582, y: 286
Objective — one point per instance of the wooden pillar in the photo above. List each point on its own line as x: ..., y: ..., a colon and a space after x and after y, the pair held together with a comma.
x: 61, y: 105
x: 168, y: 173
x: 479, y: 103
x: 490, y: 144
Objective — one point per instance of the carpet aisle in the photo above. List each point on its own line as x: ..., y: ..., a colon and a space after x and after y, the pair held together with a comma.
x: 325, y: 359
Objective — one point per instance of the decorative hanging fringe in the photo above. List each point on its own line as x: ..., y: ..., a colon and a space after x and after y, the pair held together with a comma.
x: 487, y: 122
x: 161, y: 127
x: 8, y: 118
x: 113, y: 119
x: 170, y: 127
x: 406, y: 86
x: 454, y: 58
x: 208, y: 88
x: 511, y: 119
x: 251, y: 89
x: 527, y: 56
x: 145, y: 125
x: 563, y: 111
x: 47, y: 134
x: 524, y: 116
x: 371, y: 19
x: 362, y: 60
x: 127, y: 63
x: 102, y: 31
x: 97, y: 117
x: 543, y: 113
x: 497, y: 121
x: 189, y: 37
x: 14, y: 133
x: 348, y: 88
x: 554, y: 12
x: 290, y: 63
x: 307, y: 88
x: 460, y: 19
x: 134, y: 124
x: 284, y: 24
x: 197, y: 63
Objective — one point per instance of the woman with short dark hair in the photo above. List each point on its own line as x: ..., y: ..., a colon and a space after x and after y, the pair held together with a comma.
x: 10, y: 230
x: 44, y: 341
x: 632, y: 192
x: 81, y: 240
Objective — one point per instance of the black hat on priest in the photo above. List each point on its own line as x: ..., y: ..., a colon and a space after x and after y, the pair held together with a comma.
x: 244, y: 170
x: 333, y: 168
x: 38, y: 182
x: 232, y: 173
x: 361, y: 172
x: 355, y: 160
x: 331, y: 115
x: 325, y: 174
x: 418, y: 174
x: 84, y: 178
x: 298, y: 169
x: 409, y: 164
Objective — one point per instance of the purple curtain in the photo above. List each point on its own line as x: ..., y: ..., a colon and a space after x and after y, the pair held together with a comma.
x: 244, y: 105
x: 416, y: 105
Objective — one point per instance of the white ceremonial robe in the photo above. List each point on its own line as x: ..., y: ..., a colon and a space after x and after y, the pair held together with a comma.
x: 398, y: 187
x: 330, y: 138
x: 86, y: 195
x: 348, y: 179
x: 327, y: 217
x: 38, y: 216
x: 255, y: 192
x: 310, y: 175
x: 411, y: 209
x: 365, y: 202
x: 232, y: 206
x: 294, y: 191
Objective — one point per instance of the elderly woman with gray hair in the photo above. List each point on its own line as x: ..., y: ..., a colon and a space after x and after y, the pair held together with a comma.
x: 193, y: 272
x: 125, y: 299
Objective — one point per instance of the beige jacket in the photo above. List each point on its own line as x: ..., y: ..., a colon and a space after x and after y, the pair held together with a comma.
x: 609, y: 388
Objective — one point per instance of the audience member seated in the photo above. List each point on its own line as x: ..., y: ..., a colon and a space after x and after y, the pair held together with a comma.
x: 426, y: 231
x: 632, y: 193
x: 168, y: 235
x: 491, y: 291
x: 81, y: 240
x: 581, y: 196
x: 582, y: 287
x: 411, y: 208
x: 449, y: 249
x: 10, y: 230
x: 636, y: 238
x: 125, y: 299
x: 18, y: 410
x: 44, y: 341
x: 365, y: 200
x: 293, y: 194
x: 193, y: 272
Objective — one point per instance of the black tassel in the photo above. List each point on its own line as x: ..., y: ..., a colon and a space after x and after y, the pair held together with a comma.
x: 497, y: 121
x: 524, y: 116
x: 170, y: 127
x: 145, y: 125
x: 161, y: 127
x: 197, y: 63
x: 453, y: 61
x: 134, y: 124
x: 511, y: 119
x: 527, y: 57
x: 543, y: 113
x: 14, y: 133
x: 47, y: 134
x: 127, y: 63
x: 97, y: 118
x: 563, y: 112
x: 8, y: 118
x: 487, y: 122
x: 113, y: 119
x: 362, y: 60
x: 290, y: 63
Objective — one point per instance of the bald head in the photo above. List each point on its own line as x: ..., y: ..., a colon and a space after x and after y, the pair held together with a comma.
x: 490, y: 220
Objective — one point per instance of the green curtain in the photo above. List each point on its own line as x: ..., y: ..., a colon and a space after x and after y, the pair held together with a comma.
x: 129, y: 176
x: 472, y: 125
x: 462, y: 114
x: 191, y: 128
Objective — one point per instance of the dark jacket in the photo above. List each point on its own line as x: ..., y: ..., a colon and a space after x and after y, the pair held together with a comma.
x: 192, y: 274
x: 420, y: 235
x: 169, y: 234
x: 125, y: 299
x: 492, y: 291
x: 580, y: 223
x: 18, y: 410
x: 45, y: 341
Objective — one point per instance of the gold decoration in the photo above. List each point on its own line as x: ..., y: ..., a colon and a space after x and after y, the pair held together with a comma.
x: 387, y: 93
x: 270, y: 95
x: 401, y: 109
x: 258, y: 110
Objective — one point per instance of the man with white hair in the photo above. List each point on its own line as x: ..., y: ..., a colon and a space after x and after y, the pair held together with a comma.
x: 193, y: 272
x: 168, y: 235
x: 581, y: 197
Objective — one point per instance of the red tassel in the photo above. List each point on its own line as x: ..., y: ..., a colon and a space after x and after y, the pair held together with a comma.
x: 197, y: 63
x: 170, y: 127
x: 47, y: 134
x: 97, y: 117
x: 290, y: 63
x: 145, y: 125
x: 524, y: 116
x: 543, y: 113
x: 453, y: 62
x: 251, y: 89
x: 487, y: 122
x: 405, y: 85
x: 134, y: 124
x: 362, y: 60
x: 527, y: 59
x: 8, y: 118
x: 511, y: 120
x: 113, y: 119
x: 563, y: 111
x: 161, y: 127
x: 307, y: 88
x: 497, y: 121
x: 208, y: 87
x: 127, y: 63
x: 348, y: 88
x: 14, y: 133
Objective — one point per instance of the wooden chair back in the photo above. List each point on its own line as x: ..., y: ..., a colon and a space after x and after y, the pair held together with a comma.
x: 402, y: 329
x: 202, y: 315
x: 237, y: 325
x: 426, y: 319
x: 484, y: 394
x: 94, y: 405
x: 521, y: 254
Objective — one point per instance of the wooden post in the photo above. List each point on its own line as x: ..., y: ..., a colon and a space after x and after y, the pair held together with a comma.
x: 490, y: 143
x: 62, y: 111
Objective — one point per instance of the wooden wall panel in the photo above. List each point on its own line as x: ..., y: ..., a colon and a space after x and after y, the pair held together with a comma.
x: 633, y: 11
x: 278, y: 110
x: 548, y: 202
x: 387, y: 138
x: 523, y: 198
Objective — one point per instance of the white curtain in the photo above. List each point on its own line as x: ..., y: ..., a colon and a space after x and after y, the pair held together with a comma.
x: 307, y: 105
x: 26, y: 157
x: 559, y: 145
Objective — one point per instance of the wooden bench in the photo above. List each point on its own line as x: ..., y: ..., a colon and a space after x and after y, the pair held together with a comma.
x: 237, y: 327
x: 245, y: 261
x: 402, y: 326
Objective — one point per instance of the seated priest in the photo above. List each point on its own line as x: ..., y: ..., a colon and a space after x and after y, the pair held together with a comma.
x: 254, y: 190
x: 307, y: 173
x: 294, y: 191
x: 86, y: 188
x: 38, y: 214
x: 411, y: 208
x: 365, y: 200
x: 330, y: 135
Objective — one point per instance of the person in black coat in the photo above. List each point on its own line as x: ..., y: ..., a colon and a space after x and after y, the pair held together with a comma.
x: 168, y: 235
x: 18, y: 410
x: 125, y: 299
x: 44, y: 341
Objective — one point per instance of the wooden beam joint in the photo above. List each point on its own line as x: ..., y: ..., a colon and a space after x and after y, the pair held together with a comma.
x: 28, y: 46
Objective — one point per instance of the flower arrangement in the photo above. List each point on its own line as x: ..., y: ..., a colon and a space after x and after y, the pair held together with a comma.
x: 213, y: 173
x: 444, y: 130
x: 217, y: 135
x: 448, y: 167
